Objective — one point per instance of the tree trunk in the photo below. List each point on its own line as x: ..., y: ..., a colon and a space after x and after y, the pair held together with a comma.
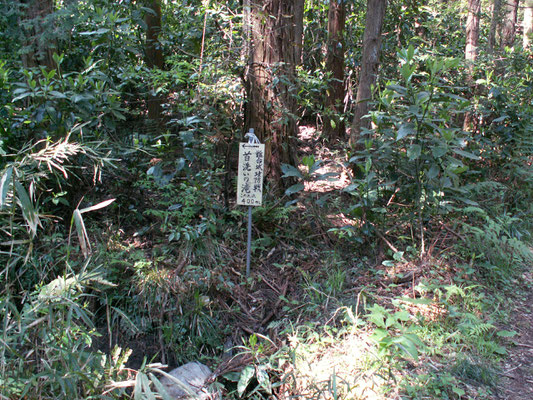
x: 298, y: 30
x: 271, y: 104
x: 528, y: 23
x: 152, y: 47
x: 333, y: 125
x: 495, y: 19
x: 472, y: 40
x: 39, y: 49
x: 509, y: 24
x: 369, y: 65
x: 247, y: 31
x: 472, y: 30
x: 154, y: 56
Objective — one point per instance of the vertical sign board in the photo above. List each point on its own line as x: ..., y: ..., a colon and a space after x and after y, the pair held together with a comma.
x: 250, y: 178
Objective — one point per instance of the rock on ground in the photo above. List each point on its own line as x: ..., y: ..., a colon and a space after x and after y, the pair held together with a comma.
x: 193, y: 376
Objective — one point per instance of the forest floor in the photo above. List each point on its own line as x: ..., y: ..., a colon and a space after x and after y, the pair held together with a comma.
x: 516, y: 381
x: 305, y: 283
x: 518, y: 367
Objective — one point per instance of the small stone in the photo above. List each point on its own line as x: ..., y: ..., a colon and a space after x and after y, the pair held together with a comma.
x: 193, y: 376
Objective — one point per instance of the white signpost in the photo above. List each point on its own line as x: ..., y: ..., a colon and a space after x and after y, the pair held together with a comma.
x: 250, y: 181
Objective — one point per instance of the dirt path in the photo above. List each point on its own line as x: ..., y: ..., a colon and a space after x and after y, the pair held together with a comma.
x: 518, y: 368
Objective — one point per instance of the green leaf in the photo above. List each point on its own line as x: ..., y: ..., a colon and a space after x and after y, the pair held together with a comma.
x: 398, y: 89
x: 232, y: 376
x: 295, y: 189
x: 410, y: 52
x: 468, y: 201
x: 80, y: 97
x: 407, y: 345
x: 19, y: 91
x: 289, y: 170
x: 439, y: 151
x: 28, y: 212
x: 433, y: 172
x: 406, y: 71
x: 138, y: 387
x: 97, y: 32
x: 327, y: 176
x: 4, y: 185
x: 448, y: 134
x: 82, y: 232
x: 506, y: 333
x: 414, y: 152
x: 405, y: 130
x: 377, y: 316
x: 187, y: 137
x: 460, y: 170
x: 118, y: 115
x: 422, y: 97
x: 466, y: 154
x: 246, y: 376
x: 160, y: 388
x: 417, y: 301
x: 264, y: 379
x: 390, y: 321
x: 97, y: 206
x: 22, y: 96
x: 58, y: 95
x: 148, y: 395
x: 379, y: 334
x: 402, y: 315
x: 458, y: 391
x: 315, y: 167
x: 308, y: 161
x: 500, y: 350
x: 500, y: 119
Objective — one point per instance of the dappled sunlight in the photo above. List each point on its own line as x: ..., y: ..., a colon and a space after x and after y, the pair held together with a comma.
x: 326, y: 365
x: 340, y: 220
x: 333, y: 167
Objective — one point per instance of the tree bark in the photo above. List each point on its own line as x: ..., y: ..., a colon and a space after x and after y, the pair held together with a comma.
x: 472, y: 40
x: 152, y: 47
x: 271, y: 104
x: 38, y: 48
x: 495, y: 19
x: 369, y: 65
x: 154, y: 57
x: 527, y: 24
x: 298, y: 30
x: 472, y: 30
x: 508, y: 33
x: 333, y: 125
x: 247, y: 31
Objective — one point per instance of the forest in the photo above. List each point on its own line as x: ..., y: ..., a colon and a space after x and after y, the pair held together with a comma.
x: 391, y: 247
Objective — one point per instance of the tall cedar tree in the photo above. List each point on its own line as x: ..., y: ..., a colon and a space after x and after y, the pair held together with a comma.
x: 508, y: 33
x: 472, y: 41
x: 495, y: 19
x: 369, y: 66
x: 527, y: 24
x: 154, y: 56
x: 299, y: 30
x: 472, y: 30
x: 270, y: 81
x: 333, y: 125
x: 38, y: 47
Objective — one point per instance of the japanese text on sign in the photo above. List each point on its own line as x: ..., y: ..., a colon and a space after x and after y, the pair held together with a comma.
x: 250, y: 178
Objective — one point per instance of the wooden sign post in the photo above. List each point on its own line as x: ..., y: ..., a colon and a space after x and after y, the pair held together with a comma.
x: 250, y: 182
